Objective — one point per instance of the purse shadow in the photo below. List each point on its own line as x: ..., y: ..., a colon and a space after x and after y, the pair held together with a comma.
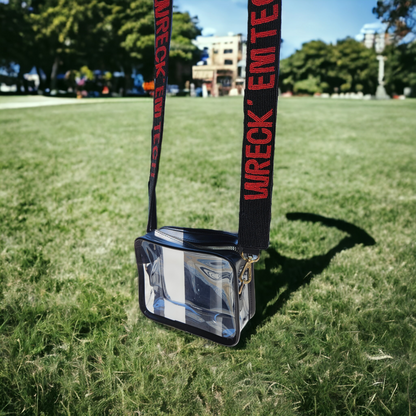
x: 294, y: 273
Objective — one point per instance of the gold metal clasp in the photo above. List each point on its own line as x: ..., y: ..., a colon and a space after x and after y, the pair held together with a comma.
x: 249, y: 261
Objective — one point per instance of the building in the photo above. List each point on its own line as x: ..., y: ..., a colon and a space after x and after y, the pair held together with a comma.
x: 374, y: 35
x: 222, y: 68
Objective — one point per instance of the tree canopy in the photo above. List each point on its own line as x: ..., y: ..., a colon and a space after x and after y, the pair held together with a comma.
x: 136, y: 32
x: 347, y: 66
x: 101, y: 34
x: 16, y: 33
x: 319, y: 67
x: 400, y: 15
x: 401, y: 68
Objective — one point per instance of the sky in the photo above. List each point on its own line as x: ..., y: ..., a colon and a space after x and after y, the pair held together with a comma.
x: 302, y: 20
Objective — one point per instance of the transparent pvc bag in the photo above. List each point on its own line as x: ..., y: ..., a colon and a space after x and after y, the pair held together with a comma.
x: 202, y: 281
x: 195, y: 281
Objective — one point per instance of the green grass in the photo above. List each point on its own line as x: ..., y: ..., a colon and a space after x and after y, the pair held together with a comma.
x: 335, y: 329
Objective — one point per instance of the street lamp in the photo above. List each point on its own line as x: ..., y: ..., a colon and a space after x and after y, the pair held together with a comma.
x: 380, y: 44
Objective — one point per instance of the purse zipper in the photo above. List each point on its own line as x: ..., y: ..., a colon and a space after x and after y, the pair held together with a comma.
x: 213, y: 248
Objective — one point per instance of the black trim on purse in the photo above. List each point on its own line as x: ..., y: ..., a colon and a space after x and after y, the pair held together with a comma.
x: 202, y: 281
x: 189, y: 280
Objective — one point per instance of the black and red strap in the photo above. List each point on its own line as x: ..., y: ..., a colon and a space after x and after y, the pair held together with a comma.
x: 163, y: 30
x: 260, y: 107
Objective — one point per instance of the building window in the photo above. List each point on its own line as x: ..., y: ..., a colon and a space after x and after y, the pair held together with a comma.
x: 228, y: 62
x: 224, y: 81
x: 215, y: 50
x: 228, y: 51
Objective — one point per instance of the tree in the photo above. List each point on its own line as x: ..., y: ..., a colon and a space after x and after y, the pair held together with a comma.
x: 71, y: 33
x: 136, y: 31
x: 401, y: 68
x: 400, y: 15
x: 308, y: 70
x: 138, y: 38
x: 105, y: 34
x: 356, y: 66
x: 15, y: 32
x: 16, y: 37
x: 308, y: 86
x: 183, y: 52
x: 101, y: 34
x: 318, y: 67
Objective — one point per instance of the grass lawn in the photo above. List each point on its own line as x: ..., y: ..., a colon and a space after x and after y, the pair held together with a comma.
x: 335, y: 329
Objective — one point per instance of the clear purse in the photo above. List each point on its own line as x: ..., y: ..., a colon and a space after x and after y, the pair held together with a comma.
x: 196, y: 281
x: 202, y: 281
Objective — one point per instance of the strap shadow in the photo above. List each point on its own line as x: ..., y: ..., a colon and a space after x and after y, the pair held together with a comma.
x: 294, y: 273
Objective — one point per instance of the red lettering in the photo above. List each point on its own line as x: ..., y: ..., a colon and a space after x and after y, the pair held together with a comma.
x: 260, y: 84
x: 260, y: 121
x: 267, y: 132
x: 163, y: 55
x: 158, y: 106
x: 161, y: 39
x: 157, y: 127
x: 264, y: 18
x: 160, y: 70
x: 155, y: 152
x: 257, y: 154
x: 257, y: 170
x: 159, y: 92
x: 160, y: 5
x: 259, y: 187
x: 261, y: 2
x: 163, y: 25
x: 260, y: 59
x: 266, y: 34
x: 156, y: 138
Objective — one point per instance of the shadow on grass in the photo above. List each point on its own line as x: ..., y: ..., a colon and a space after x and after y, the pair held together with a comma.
x: 294, y: 273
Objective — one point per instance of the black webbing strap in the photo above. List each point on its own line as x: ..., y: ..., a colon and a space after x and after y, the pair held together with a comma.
x: 163, y: 29
x: 260, y: 107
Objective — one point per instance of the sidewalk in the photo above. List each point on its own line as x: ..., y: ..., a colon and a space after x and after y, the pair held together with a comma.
x: 14, y: 102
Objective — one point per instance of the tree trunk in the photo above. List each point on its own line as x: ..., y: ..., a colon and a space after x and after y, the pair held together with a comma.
x: 22, y: 82
x: 41, y: 79
x: 54, y: 73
